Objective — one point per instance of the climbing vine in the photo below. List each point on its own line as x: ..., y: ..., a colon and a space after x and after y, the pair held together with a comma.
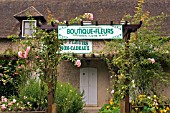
x: 148, y: 58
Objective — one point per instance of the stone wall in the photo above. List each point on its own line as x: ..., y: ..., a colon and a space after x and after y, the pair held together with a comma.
x: 6, y: 44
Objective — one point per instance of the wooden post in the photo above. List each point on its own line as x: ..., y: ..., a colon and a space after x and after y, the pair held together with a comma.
x: 51, y: 85
x: 124, y: 104
x: 50, y: 97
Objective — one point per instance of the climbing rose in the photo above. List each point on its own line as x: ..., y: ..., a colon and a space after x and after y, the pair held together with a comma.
x: 25, y: 55
x: 78, y: 63
x: 3, y: 106
x: 20, y: 54
x: 152, y: 60
x: 19, y: 67
x: 10, y: 104
x: 88, y: 15
x: 26, y: 52
x: 3, y: 99
x: 37, y: 57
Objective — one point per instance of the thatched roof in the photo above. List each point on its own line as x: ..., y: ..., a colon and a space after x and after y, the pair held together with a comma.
x: 104, y: 10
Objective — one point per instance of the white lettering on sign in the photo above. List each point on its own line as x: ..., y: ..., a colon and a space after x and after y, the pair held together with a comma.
x: 76, y: 46
x: 90, y: 32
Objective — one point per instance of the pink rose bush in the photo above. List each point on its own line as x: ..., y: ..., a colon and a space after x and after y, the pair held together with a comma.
x: 78, y: 63
x: 3, y: 107
x: 14, y: 104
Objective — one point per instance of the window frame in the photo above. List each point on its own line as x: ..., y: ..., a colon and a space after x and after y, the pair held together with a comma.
x: 34, y: 24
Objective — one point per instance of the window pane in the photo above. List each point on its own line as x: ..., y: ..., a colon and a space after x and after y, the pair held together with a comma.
x: 28, y: 32
x: 27, y: 24
x: 28, y: 27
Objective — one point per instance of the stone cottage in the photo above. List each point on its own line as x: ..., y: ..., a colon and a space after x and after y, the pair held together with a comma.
x: 93, y: 76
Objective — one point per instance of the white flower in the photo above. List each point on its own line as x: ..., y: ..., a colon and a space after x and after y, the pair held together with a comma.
x: 112, y: 91
x: 133, y: 81
x: 149, y: 97
x: 13, y: 100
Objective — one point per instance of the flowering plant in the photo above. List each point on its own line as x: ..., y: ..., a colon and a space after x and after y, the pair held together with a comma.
x: 139, y: 64
x: 9, y: 77
x: 38, y: 57
x: 149, y: 104
x: 112, y: 107
x: 14, y: 104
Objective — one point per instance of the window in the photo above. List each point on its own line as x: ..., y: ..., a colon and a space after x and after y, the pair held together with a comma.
x: 28, y: 27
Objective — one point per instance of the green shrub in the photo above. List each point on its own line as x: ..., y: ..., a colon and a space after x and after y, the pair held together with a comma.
x: 34, y: 92
x: 68, y: 99
x: 9, y: 78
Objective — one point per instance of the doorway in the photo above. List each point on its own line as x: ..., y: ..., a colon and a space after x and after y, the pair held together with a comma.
x: 88, y: 85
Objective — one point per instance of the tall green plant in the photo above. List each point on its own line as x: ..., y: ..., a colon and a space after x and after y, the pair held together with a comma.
x: 34, y: 91
x: 68, y: 99
x: 148, y: 50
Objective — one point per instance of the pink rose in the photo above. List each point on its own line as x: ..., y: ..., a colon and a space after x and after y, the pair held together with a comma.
x: 88, y: 15
x: 37, y: 57
x: 25, y: 55
x: 78, y: 63
x: 152, y: 60
x: 28, y: 48
x: 26, y: 52
x: 3, y: 106
x: 22, y: 108
x: 1, y: 74
x: 20, y: 54
x: 10, y: 104
x: 4, y: 99
x: 19, y: 67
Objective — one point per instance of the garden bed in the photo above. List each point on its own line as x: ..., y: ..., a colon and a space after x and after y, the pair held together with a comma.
x: 24, y: 111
